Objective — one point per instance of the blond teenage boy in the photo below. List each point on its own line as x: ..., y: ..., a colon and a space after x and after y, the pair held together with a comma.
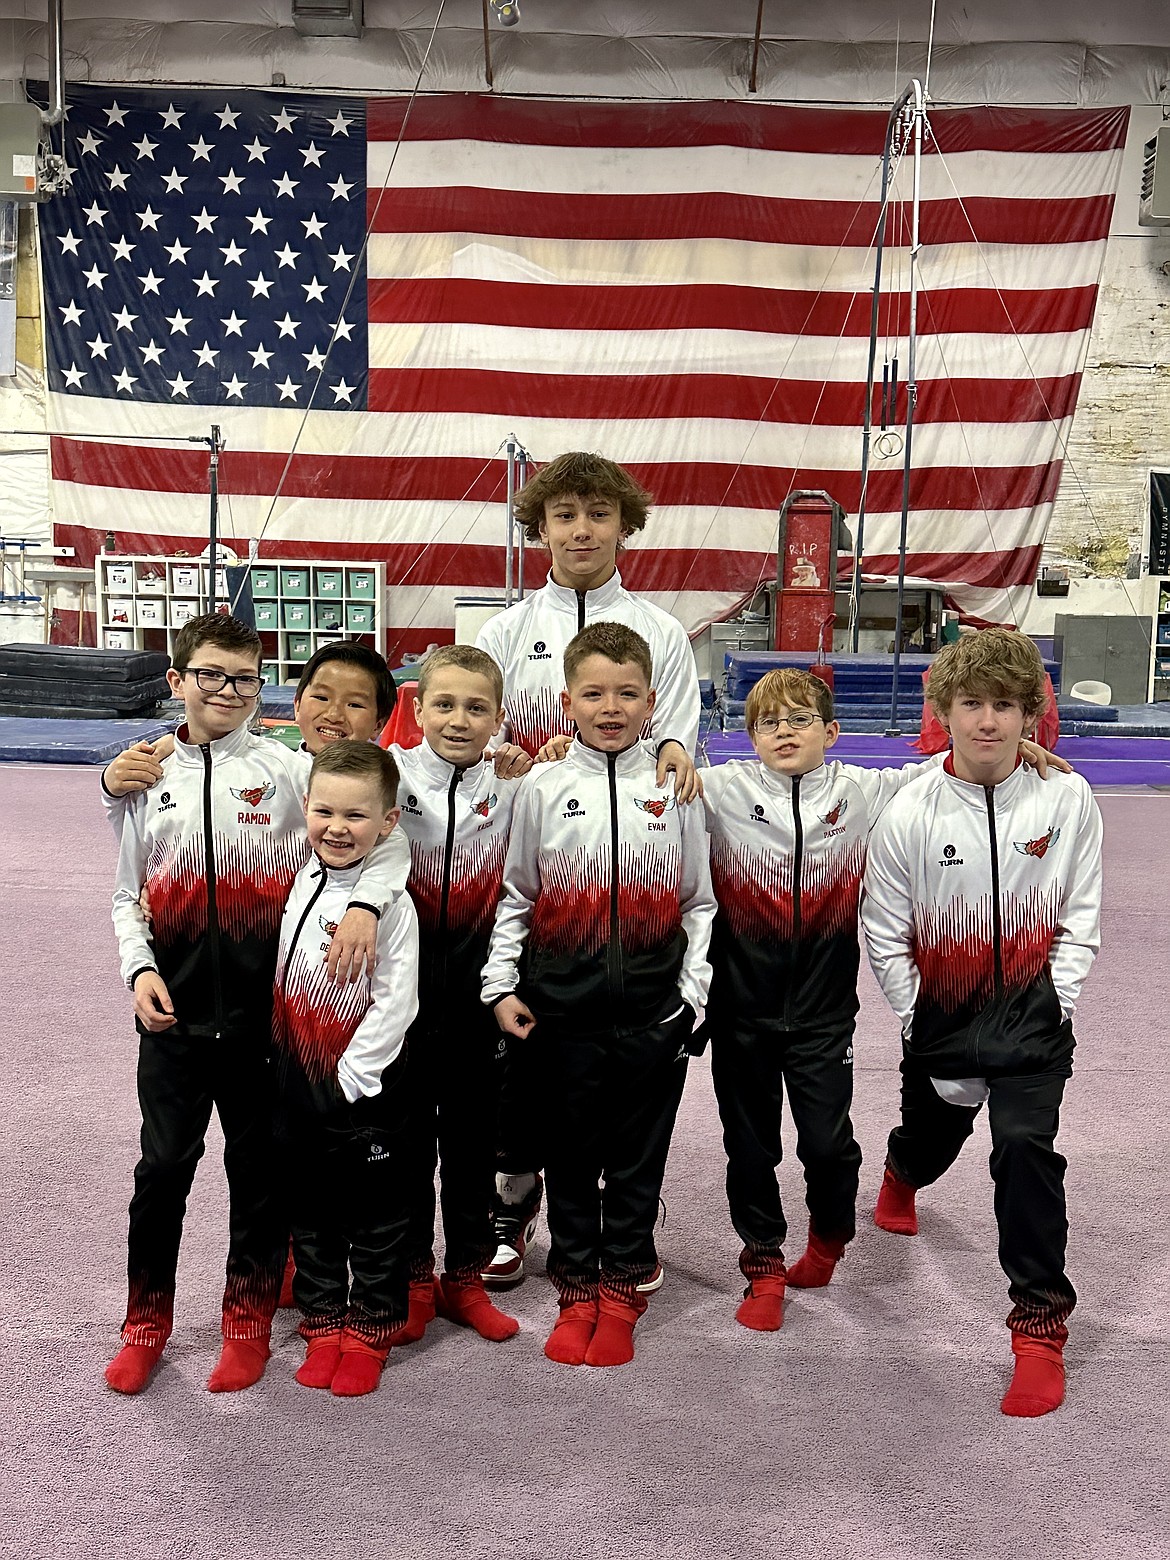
x: 600, y: 953
x: 982, y: 917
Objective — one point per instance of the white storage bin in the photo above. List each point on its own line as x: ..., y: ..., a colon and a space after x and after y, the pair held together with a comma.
x: 151, y: 614
x: 118, y: 639
x: 185, y: 579
x: 182, y: 612
x: 120, y: 611
x: 220, y: 583
x: 120, y: 578
x: 151, y: 579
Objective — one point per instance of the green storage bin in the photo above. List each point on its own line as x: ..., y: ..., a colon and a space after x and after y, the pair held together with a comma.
x: 359, y: 616
x: 327, y: 614
x: 329, y: 582
x: 267, y: 614
x: 270, y: 672
x: 300, y: 647
x: 263, y: 583
x: 297, y: 615
x: 359, y: 584
x: 294, y: 582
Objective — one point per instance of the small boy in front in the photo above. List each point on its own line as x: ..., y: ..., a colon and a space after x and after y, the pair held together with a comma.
x: 982, y: 917
x: 456, y: 814
x: 215, y: 840
x: 600, y: 945
x: 341, y: 1101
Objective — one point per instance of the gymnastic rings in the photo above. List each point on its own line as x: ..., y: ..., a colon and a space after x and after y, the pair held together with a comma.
x: 889, y: 444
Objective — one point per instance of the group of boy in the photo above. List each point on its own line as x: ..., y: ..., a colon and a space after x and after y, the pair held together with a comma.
x: 524, y: 997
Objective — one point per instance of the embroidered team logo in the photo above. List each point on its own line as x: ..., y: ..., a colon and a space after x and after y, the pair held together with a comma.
x: 835, y: 814
x: 1038, y: 847
x: 327, y: 926
x: 253, y: 795
x: 656, y: 806
x: 481, y: 809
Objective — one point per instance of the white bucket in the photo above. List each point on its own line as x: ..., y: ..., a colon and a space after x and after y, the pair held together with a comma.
x: 1090, y: 693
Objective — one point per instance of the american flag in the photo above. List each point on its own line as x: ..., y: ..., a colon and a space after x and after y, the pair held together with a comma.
x: 684, y: 287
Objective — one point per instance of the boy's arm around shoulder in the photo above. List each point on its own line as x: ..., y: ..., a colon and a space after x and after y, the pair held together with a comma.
x: 1078, y: 934
x: 518, y: 894
x: 887, y: 911
x: 393, y: 1004
x: 676, y: 681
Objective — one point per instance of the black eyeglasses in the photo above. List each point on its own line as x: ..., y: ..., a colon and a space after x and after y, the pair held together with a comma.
x: 798, y: 720
x: 245, y: 685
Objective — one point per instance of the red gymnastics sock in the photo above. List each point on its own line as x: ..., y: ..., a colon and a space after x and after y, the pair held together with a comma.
x: 1038, y: 1382
x: 286, y: 1300
x: 130, y: 1369
x: 613, y: 1338
x: 420, y: 1311
x: 895, y: 1209
x: 569, y: 1341
x: 815, y: 1268
x: 322, y: 1357
x: 361, y: 1366
x: 241, y: 1364
x: 762, y: 1307
x: 465, y: 1301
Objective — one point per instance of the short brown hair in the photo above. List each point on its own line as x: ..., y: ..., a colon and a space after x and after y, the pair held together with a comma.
x: 615, y: 642
x: 468, y: 659
x: 215, y: 628
x: 996, y: 663
x: 588, y: 476
x: 791, y: 689
x: 362, y: 760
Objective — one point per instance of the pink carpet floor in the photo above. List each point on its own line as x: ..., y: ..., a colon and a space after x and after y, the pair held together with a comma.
x: 869, y: 1427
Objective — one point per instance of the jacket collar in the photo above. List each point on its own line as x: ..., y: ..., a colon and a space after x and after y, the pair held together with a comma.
x: 342, y: 877
x: 781, y: 785
x: 566, y: 598
x: 591, y: 761
x: 439, y: 770
x: 224, y: 747
x: 975, y: 793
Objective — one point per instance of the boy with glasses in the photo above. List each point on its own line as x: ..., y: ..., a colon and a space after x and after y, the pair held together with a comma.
x: 788, y: 843
x: 217, y: 843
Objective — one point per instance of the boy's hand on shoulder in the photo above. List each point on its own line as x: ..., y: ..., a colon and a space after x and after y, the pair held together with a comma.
x: 138, y: 768
x: 674, y: 759
x: 1039, y: 759
x: 152, y: 1002
x: 354, y: 945
x: 513, y: 1017
x: 554, y: 749
x: 510, y: 761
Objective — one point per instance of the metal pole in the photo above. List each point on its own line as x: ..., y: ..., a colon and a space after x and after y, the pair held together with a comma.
x: 521, y: 479
x: 911, y: 398
x: 214, y: 519
x: 510, y: 521
x: 867, y: 426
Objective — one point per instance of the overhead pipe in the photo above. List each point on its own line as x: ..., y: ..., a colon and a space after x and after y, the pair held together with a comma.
x: 55, y: 113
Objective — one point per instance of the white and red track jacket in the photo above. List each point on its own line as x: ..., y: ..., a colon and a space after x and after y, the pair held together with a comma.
x: 982, y: 911
x: 216, y: 843
x: 787, y: 856
x: 528, y: 643
x: 457, y: 823
x: 607, y: 905
x: 354, y: 1031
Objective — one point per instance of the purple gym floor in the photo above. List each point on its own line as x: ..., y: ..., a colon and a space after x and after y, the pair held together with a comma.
x: 867, y: 1429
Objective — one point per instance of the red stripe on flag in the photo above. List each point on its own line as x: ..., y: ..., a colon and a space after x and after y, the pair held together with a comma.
x: 749, y: 218
x: 828, y: 131
x: 603, y: 397
x: 539, y: 306
x: 450, y: 480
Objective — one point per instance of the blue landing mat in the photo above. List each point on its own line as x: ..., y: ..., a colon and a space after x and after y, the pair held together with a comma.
x: 26, y: 739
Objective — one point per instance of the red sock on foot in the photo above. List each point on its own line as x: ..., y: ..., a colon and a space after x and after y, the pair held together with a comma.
x: 569, y: 1340
x: 762, y: 1307
x: 286, y: 1300
x: 895, y: 1209
x: 1038, y: 1381
x: 322, y: 1357
x: 130, y: 1369
x: 420, y: 1311
x: 241, y: 1364
x: 465, y: 1301
x: 815, y: 1268
x: 360, y: 1369
x: 613, y: 1337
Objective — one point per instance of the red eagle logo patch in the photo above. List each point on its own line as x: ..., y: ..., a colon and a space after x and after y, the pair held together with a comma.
x: 1038, y: 847
x: 328, y: 927
x: 835, y: 814
x: 656, y: 806
x: 253, y: 795
x: 481, y: 809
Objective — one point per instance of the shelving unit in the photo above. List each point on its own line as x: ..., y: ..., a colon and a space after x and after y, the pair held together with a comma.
x: 300, y: 605
x: 1160, y: 654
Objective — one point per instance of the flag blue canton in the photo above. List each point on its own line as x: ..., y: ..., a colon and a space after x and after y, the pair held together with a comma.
x: 209, y: 250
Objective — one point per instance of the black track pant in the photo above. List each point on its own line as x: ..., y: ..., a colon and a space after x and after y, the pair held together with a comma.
x: 609, y: 1104
x: 519, y: 1147
x: 751, y: 1072
x: 454, y: 1085
x: 180, y: 1080
x: 345, y: 1167
x: 1024, y: 1114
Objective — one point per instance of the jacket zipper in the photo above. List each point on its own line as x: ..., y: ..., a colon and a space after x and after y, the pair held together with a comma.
x: 440, y: 961
x: 614, y: 958
x: 996, y: 919
x: 580, y: 610
x: 296, y: 936
x: 797, y: 859
x: 212, y: 907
